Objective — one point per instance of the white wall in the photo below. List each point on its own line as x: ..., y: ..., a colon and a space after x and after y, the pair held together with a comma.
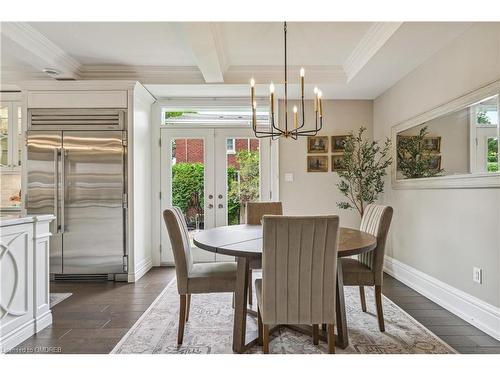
x: 140, y: 140
x: 316, y: 192
x: 445, y: 232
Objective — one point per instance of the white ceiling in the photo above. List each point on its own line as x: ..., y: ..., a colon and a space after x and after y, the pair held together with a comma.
x: 348, y: 60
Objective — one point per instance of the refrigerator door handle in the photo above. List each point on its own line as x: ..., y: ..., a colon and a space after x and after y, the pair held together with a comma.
x: 63, y: 188
x: 57, y: 152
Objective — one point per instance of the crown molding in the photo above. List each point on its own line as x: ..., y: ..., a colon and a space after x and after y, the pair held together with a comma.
x: 40, y: 52
x: 374, y: 39
x: 315, y: 74
x: 143, y: 74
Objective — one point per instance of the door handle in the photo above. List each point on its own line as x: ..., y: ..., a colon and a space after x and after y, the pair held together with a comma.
x: 63, y: 188
x: 57, y: 152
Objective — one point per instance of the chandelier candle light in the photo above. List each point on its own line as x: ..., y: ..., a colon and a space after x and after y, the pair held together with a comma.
x: 277, y: 131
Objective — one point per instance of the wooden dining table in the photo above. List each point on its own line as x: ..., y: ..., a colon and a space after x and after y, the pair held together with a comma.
x: 244, y: 242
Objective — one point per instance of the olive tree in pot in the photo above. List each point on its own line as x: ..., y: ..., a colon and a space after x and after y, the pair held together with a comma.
x: 365, y: 166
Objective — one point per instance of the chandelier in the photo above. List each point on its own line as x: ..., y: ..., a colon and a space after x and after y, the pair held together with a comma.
x: 286, y: 131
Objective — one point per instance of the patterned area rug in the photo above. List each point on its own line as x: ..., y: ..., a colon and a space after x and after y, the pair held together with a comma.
x: 56, y: 298
x: 209, y: 329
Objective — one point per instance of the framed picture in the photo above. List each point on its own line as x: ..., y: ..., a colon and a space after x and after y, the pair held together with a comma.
x: 317, y: 145
x: 433, y: 144
x: 317, y: 163
x: 338, y: 163
x: 338, y: 143
x: 435, y: 162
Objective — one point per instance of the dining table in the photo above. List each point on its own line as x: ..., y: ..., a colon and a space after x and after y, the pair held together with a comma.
x: 244, y: 242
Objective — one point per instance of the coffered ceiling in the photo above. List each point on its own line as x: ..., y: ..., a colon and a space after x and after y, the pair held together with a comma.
x: 349, y: 60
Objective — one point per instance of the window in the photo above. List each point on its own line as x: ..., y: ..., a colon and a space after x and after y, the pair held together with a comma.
x: 230, y: 146
x: 223, y: 116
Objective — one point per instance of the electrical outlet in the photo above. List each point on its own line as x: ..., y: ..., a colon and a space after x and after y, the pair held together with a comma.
x: 477, y: 275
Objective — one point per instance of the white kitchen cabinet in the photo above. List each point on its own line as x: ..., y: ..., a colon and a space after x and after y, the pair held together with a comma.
x: 24, y: 278
x: 10, y: 135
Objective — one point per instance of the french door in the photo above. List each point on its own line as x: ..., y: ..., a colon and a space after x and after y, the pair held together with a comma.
x: 210, y: 174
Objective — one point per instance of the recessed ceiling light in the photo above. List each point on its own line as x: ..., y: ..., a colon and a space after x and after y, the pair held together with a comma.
x: 52, y: 72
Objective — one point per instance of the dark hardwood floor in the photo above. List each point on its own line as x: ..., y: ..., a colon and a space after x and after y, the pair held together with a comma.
x: 98, y: 314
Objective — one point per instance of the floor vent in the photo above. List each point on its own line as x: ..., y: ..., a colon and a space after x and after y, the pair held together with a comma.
x: 99, y: 277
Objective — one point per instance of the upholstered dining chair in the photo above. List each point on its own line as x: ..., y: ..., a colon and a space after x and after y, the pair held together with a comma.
x: 254, y: 213
x: 216, y: 277
x: 298, y: 285
x: 368, y: 269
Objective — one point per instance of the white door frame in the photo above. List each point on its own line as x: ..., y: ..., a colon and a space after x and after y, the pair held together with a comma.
x: 158, y: 226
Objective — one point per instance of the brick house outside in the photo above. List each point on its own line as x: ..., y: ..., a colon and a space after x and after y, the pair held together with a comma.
x: 191, y: 150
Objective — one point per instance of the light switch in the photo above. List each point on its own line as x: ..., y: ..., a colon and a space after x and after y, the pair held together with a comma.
x: 288, y: 177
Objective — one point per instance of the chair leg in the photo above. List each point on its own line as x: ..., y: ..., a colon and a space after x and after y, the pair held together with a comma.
x: 182, y: 318
x: 362, y: 297
x: 378, y: 303
x: 315, y: 334
x: 250, y: 294
x: 331, y: 339
x: 259, y: 322
x: 188, y: 305
x: 265, y: 338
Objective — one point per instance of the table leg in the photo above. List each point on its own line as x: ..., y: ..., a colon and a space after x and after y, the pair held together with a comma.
x: 342, y: 340
x: 240, y: 305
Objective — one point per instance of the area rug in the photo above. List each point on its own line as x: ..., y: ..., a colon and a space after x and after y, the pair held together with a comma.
x: 56, y: 298
x: 209, y: 329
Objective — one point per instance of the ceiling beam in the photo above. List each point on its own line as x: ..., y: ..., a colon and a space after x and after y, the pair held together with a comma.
x: 374, y: 39
x: 205, y: 41
x: 37, y: 50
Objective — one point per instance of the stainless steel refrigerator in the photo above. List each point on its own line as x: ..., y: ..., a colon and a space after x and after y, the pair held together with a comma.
x: 76, y: 170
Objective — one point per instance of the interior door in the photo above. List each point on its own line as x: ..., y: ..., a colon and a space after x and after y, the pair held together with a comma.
x: 44, y: 193
x: 187, y: 181
x: 93, y: 209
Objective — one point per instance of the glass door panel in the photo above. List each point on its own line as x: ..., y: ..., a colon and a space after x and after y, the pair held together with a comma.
x: 4, y: 135
x: 187, y: 182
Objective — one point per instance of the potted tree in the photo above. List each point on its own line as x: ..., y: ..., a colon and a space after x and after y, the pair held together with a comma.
x: 365, y: 166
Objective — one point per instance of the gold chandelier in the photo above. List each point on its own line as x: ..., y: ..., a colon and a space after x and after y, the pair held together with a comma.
x: 294, y: 132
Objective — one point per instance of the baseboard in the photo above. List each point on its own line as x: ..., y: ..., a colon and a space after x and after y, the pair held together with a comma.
x: 144, y: 266
x: 43, y: 320
x: 480, y: 314
x: 17, y: 336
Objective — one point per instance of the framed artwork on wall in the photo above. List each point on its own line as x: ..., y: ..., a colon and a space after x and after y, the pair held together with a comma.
x: 338, y: 163
x: 317, y: 145
x: 338, y: 143
x: 317, y: 163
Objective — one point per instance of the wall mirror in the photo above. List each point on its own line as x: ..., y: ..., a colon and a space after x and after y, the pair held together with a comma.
x: 450, y: 144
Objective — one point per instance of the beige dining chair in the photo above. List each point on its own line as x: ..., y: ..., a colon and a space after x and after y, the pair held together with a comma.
x: 368, y: 269
x: 254, y: 213
x: 298, y: 285
x: 194, y: 278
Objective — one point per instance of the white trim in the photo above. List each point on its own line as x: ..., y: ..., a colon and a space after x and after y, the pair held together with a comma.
x: 143, y: 267
x: 374, y: 39
x: 326, y: 74
x: 480, y: 314
x: 17, y: 336
x: 483, y: 180
x: 51, y: 55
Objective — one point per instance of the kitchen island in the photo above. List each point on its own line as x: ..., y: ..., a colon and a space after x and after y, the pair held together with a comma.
x: 24, y: 278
